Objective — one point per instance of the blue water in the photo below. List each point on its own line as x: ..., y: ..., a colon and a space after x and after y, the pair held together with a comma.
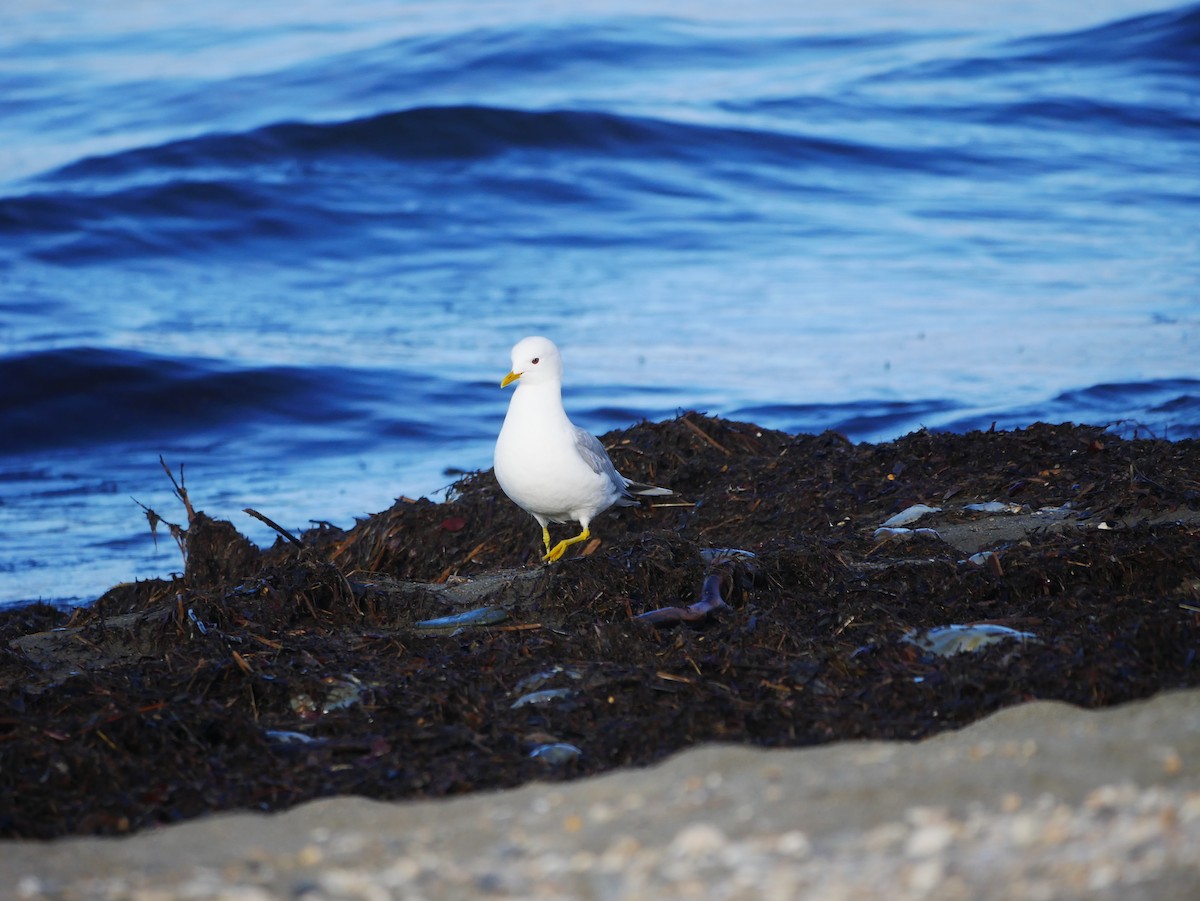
x: 287, y: 246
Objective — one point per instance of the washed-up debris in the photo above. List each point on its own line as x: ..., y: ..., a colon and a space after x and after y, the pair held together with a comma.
x: 901, y: 534
x: 910, y: 514
x: 945, y: 641
x: 543, y: 696
x: 530, y: 690
x: 710, y: 602
x: 162, y: 723
x: 555, y: 753
x: 1066, y: 509
x: 480, y: 616
x: 994, y: 507
x: 303, y: 705
x: 196, y: 621
x: 285, y: 737
x: 989, y: 559
x: 727, y: 567
x: 711, y: 555
x: 343, y: 692
x: 538, y: 679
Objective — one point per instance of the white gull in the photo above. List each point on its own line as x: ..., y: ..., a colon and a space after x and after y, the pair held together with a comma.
x: 551, y: 469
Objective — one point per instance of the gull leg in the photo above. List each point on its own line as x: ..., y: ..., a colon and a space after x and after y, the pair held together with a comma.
x: 546, y: 540
x: 560, y: 548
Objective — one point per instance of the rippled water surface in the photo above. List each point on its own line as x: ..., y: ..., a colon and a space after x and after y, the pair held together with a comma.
x: 288, y: 246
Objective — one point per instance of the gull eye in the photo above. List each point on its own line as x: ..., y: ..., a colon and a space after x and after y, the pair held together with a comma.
x: 534, y: 361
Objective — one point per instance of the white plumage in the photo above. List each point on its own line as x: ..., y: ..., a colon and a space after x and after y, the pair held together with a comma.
x: 547, y: 466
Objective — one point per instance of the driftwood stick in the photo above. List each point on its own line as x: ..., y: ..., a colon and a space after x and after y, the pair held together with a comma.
x: 274, y: 525
x: 707, y: 437
x: 180, y: 488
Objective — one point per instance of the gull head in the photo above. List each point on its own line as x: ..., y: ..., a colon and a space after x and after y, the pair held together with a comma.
x: 534, y: 359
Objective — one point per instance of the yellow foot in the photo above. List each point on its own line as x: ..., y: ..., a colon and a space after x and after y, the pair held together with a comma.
x: 559, y: 549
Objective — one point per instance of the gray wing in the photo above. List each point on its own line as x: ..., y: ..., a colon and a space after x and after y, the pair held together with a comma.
x: 597, y: 458
x: 593, y: 452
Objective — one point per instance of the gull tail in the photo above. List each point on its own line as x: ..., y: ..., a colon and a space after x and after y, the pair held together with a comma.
x: 643, y: 490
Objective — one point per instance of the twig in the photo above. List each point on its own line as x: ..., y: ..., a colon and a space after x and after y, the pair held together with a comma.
x: 180, y: 488
x: 703, y: 434
x: 274, y: 525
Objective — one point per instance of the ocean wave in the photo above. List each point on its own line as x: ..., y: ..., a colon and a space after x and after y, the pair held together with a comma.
x: 864, y: 420
x: 1159, y: 408
x: 89, y: 397
x: 1162, y: 42
x: 460, y: 133
x: 1165, y: 408
x: 286, y: 184
x: 1169, y: 39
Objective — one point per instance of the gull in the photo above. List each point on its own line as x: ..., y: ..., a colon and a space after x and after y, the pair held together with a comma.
x: 551, y: 469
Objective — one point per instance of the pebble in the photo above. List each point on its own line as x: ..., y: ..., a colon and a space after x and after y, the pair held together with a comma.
x: 697, y: 840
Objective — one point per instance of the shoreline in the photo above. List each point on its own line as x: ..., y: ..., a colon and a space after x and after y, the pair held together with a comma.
x: 1039, y: 800
x: 325, y: 666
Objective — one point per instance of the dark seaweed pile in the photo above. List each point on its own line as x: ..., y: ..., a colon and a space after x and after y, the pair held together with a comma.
x: 263, y: 679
